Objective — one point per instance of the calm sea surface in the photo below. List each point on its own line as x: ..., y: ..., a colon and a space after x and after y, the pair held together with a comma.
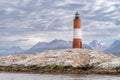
x: 21, y: 76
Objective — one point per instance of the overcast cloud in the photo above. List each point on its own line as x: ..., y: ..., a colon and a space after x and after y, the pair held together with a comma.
x: 25, y: 22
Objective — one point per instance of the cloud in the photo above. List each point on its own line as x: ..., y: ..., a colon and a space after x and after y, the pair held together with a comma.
x: 26, y: 22
x: 22, y: 40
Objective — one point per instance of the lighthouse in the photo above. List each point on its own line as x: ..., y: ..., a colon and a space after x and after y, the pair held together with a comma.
x: 77, y: 41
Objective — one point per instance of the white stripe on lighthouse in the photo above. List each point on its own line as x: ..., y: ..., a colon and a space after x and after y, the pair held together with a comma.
x: 77, y: 33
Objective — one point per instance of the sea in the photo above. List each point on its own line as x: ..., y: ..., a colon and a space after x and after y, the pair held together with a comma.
x: 24, y: 76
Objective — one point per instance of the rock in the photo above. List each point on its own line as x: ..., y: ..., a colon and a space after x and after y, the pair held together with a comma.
x: 65, y: 57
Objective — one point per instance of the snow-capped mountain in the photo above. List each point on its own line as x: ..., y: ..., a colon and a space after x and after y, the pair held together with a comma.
x: 86, y: 46
x: 53, y: 45
x: 114, y: 48
x: 59, y: 44
x: 12, y: 50
x: 40, y: 45
x: 96, y: 45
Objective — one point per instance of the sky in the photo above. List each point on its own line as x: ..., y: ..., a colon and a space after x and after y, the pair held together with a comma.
x: 26, y: 22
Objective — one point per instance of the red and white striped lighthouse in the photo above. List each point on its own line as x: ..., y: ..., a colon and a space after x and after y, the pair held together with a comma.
x: 77, y: 41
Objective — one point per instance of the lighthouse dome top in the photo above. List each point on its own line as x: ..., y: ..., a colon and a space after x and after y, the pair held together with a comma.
x: 77, y: 15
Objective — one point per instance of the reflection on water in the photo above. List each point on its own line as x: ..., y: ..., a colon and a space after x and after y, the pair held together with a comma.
x: 21, y: 76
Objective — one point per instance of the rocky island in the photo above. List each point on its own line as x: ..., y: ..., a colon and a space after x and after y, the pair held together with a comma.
x: 78, y: 61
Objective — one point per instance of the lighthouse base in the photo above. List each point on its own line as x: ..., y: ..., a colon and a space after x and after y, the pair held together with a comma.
x: 77, y: 43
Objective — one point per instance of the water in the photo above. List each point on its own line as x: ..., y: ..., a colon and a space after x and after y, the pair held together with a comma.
x: 21, y: 76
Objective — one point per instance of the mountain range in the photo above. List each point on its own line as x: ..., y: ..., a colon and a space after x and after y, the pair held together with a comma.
x: 114, y: 48
x: 62, y: 44
x: 12, y: 50
x: 96, y: 45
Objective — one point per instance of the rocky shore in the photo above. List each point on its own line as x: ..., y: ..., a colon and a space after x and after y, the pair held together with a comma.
x: 55, y: 69
x: 72, y: 61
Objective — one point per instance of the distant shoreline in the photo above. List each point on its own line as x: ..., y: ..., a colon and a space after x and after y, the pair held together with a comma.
x: 55, y: 70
